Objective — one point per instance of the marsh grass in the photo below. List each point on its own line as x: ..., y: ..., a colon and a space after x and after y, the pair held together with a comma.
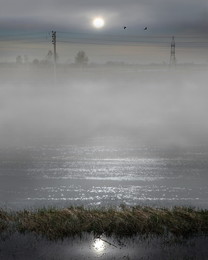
x: 121, y: 222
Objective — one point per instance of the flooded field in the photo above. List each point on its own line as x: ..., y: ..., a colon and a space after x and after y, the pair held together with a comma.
x: 103, y: 172
x: 99, y: 141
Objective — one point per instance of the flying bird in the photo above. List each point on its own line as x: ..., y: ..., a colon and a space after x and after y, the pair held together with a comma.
x: 124, y: 27
x: 145, y: 28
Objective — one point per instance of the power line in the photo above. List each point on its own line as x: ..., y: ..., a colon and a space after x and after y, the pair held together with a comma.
x: 104, y: 39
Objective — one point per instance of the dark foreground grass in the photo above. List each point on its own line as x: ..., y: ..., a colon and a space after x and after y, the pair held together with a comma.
x: 123, y: 222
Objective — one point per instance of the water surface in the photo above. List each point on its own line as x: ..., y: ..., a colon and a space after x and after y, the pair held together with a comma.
x: 103, y: 171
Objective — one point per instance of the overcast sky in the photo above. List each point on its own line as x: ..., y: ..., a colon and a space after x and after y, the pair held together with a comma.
x: 184, y: 16
x: 162, y: 17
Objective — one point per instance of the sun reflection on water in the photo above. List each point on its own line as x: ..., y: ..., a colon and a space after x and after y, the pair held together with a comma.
x: 98, y: 245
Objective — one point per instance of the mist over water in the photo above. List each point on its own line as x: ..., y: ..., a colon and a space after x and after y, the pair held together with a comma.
x: 103, y: 137
x: 105, y: 130
x: 165, y: 107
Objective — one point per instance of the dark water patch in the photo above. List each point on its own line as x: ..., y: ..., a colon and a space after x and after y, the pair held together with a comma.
x: 29, y: 246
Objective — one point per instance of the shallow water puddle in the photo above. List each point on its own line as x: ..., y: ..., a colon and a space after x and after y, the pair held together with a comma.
x: 31, y: 247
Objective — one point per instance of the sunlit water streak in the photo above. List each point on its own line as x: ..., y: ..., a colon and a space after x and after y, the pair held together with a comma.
x: 102, y: 173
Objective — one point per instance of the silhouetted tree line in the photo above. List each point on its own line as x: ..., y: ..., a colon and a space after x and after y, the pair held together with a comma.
x: 80, y: 60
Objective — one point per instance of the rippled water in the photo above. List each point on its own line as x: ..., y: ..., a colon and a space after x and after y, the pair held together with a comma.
x: 101, y: 172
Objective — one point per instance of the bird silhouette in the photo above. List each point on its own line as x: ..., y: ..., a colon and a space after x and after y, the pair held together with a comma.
x: 145, y: 28
x: 124, y: 27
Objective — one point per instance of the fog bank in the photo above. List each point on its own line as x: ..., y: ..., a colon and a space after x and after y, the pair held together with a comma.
x: 163, y: 107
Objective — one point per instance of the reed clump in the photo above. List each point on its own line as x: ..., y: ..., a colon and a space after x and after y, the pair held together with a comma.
x: 121, y: 222
x: 5, y: 220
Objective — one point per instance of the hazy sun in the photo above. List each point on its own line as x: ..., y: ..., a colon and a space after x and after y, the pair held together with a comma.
x: 98, y: 22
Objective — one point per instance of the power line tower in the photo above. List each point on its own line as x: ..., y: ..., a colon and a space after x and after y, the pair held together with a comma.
x: 54, y: 45
x: 172, y: 53
x: 54, y: 54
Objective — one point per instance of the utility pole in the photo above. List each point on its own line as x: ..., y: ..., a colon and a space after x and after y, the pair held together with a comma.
x: 54, y: 53
x: 172, y: 53
x: 54, y: 45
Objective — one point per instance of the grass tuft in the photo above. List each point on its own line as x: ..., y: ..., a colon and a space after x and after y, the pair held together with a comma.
x: 123, y: 222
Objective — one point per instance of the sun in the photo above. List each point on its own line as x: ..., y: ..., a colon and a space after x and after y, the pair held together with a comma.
x: 98, y: 22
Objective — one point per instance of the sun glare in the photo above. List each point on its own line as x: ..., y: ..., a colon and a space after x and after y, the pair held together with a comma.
x: 98, y: 22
